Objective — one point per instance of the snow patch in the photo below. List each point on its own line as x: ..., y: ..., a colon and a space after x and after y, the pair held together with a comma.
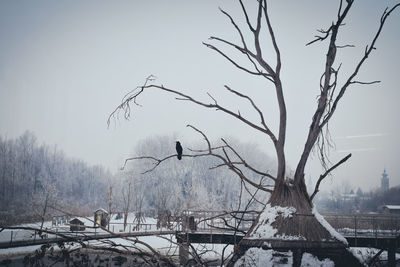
x: 291, y: 237
x: 267, y: 217
x: 365, y: 255
x: 311, y: 261
x: 328, y: 227
x: 266, y: 258
x: 267, y: 245
x: 271, y: 258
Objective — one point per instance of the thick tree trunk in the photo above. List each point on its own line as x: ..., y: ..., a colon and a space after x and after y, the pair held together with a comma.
x: 301, y: 223
x: 288, y: 223
x: 290, y: 194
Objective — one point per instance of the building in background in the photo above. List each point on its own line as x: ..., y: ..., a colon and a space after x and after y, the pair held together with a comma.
x: 384, y: 181
x: 389, y: 209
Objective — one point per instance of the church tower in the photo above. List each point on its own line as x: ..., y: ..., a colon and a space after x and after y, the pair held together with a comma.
x: 384, y: 181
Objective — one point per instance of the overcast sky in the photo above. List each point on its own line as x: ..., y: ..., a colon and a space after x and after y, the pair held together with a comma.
x: 65, y: 65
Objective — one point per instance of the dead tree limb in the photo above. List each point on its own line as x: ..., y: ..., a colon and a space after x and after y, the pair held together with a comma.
x: 321, y: 177
x: 212, y: 151
x: 328, y: 99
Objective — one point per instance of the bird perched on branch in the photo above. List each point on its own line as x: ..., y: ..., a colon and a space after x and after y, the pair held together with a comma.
x: 179, y: 149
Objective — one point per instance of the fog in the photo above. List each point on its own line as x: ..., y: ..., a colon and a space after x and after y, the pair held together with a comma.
x: 65, y: 66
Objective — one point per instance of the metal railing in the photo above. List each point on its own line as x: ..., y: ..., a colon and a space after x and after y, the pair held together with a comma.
x: 356, y: 225
x: 365, y: 225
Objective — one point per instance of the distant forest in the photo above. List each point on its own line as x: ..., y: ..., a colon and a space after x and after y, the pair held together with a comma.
x: 30, y: 172
x: 34, y: 175
x: 40, y: 180
x: 194, y: 183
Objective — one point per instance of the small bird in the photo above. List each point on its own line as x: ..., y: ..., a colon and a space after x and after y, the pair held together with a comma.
x: 179, y: 149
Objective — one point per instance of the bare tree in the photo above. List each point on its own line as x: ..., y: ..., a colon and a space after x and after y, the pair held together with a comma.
x: 138, y: 200
x: 127, y: 199
x: 287, y: 191
x: 43, y: 201
x: 110, y: 201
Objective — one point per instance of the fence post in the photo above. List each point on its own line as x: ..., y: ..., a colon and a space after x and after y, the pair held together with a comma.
x: 355, y: 231
x: 375, y: 225
x: 11, y: 237
x: 336, y: 222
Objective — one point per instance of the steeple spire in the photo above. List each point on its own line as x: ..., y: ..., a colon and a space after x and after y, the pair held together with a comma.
x: 384, y: 181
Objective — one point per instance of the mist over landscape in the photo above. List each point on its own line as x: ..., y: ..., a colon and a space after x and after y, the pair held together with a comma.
x: 112, y: 114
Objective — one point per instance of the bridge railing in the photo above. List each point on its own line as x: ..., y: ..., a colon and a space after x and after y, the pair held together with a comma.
x: 372, y: 225
x: 365, y: 224
x: 218, y: 221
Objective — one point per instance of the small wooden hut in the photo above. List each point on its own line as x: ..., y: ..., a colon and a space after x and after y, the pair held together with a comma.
x: 76, y: 225
x: 101, y: 217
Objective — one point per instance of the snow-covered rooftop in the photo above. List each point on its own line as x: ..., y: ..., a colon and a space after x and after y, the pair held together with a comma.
x: 392, y: 207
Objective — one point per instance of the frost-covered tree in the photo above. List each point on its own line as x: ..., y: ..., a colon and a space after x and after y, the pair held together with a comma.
x: 28, y: 169
x: 43, y: 201
x: 190, y: 184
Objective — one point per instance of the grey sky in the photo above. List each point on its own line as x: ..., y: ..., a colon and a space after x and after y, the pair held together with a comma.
x: 65, y: 65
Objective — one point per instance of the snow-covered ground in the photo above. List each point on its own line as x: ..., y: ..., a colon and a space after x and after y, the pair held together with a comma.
x: 167, y: 245
x: 115, y: 226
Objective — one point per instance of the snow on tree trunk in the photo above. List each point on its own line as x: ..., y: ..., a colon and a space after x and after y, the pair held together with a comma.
x: 289, y: 220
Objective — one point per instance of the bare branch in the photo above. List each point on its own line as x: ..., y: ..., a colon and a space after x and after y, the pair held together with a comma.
x: 215, y: 101
x: 246, y: 16
x: 272, y: 34
x: 204, y: 136
x: 181, y: 96
x: 324, y: 99
x: 245, y: 163
x: 209, y: 152
x: 236, y: 27
x: 321, y: 177
x: 156, y: 161
x: 268, y: 131
x: 321, y: 38
x: 271, y: 74
x: 125, y: 103
x: 345, y: 46
x: 231, y: 60
x: 364, y: 83
x: 250, y: 56
x: 367, y: 52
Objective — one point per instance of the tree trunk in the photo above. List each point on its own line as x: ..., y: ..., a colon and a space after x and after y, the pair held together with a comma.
x: 289, y: 194
x: 299, y: 229
x: 44, y: 213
